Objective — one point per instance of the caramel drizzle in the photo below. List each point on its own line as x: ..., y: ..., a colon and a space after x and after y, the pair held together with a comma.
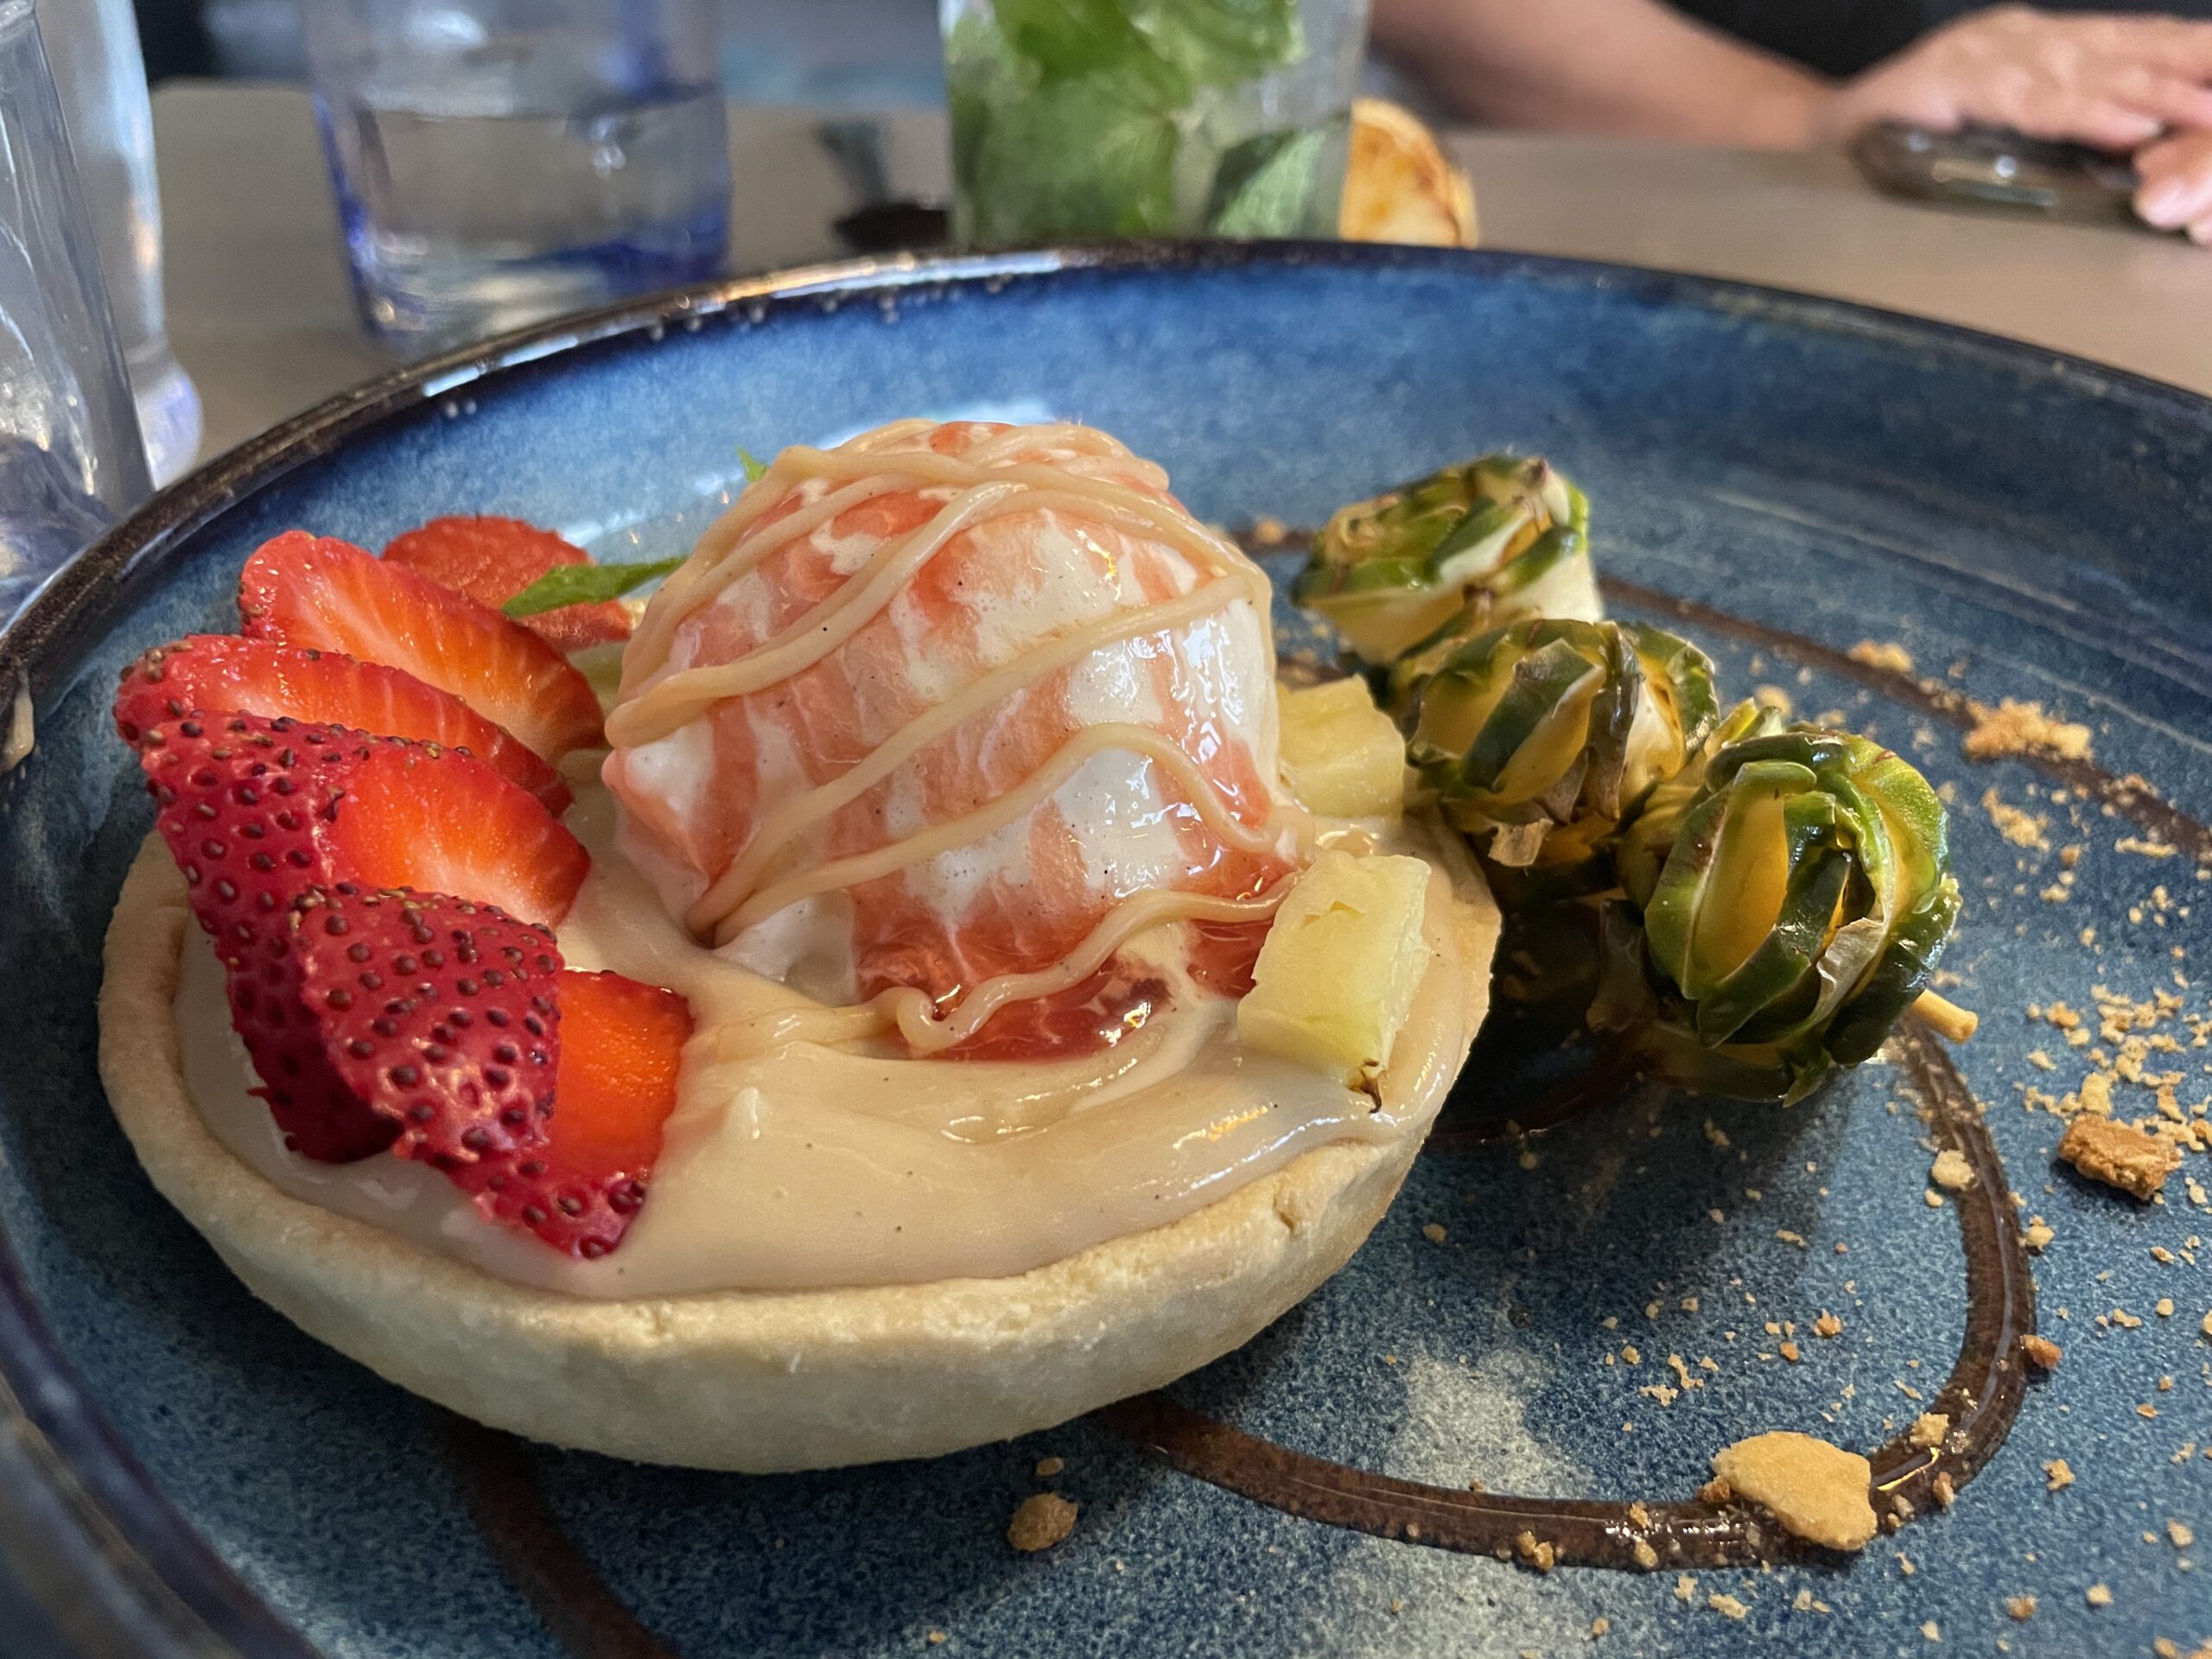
x: 986, y: 483
x: 791, y: 820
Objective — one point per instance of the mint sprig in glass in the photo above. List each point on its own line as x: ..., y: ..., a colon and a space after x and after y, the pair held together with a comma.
x: 1083, y: 119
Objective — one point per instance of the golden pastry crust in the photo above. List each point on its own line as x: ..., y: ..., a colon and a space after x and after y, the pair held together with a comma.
x: 760, y: 1381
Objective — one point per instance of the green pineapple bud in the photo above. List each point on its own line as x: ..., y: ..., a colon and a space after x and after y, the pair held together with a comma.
x: 1541, y: 736
x: 1795, y: 894
x: 1464, y: 550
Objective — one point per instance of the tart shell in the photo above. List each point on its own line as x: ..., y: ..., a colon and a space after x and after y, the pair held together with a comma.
x: 758, y: 1382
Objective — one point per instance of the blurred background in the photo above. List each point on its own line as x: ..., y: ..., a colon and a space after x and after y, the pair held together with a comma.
x: 885, y: 52
x: 283, y: 197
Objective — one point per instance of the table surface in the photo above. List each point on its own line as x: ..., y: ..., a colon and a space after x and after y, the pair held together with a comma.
x: 261, y: 316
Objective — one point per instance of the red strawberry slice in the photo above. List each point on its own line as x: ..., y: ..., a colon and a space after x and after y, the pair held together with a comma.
x: 622, y: 1050
x: 442, y: 822
x: 258, y: 812
x: 237, y: 801
x: 327, y: 595
x: 492, y: 559
x: 442, y: 1016
x: 222, y: 672
x: 384, y: 813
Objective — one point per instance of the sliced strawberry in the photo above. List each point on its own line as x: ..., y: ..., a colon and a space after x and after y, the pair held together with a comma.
x: 442, y: 1016
x: 237, y: 801
x: 258, y: 812
x: 439, y: 822
x: 223, y: 672
x: 304, y: 590
x: 492, y: 559
x: 622, y: 1050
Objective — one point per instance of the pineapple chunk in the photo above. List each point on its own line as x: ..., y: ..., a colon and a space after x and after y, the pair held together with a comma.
x: 1337, y: 975
x: 1341, y: 755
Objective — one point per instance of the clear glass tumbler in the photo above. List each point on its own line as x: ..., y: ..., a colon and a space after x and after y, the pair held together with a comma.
x: 1093, y: 119
x: 71, y: 459
x: 498, y: 161
x: 101, y: 75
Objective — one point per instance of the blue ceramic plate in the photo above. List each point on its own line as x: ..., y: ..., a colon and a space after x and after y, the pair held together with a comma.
x: 1610, y: 1302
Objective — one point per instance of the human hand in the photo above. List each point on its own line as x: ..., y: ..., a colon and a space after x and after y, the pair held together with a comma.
x: 2174, y: 192
x: 2114, y: 81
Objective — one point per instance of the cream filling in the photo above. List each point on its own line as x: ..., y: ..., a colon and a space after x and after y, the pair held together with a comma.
x: 794, y: 1164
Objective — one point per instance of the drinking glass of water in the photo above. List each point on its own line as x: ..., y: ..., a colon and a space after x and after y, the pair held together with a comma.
x: 498, y: 161
x: 101, y: 75
x: 71, y: 461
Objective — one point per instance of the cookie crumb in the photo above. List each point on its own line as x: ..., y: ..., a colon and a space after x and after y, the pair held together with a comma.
x: 2042, y: 1353
x: 1534, y: 1552
x: 2179, y: 1533
x: 1598, y: 1627
x: 2097, y: 1595
x: 1928, y: 1430
x: 1047, y: 1467
x: 2021, y: 827
x: 936, y: 1638
x: 2143, y: 848
x: 1816, y: 1490
x: 1883, y: 653
x: 2038, y: 1235
x: 2057, y: 1476
x: 2022, y: 1608
x: 1434, y: 1232
x: 1726, y: 1607
x: 1932, y: 1631
x: 1828, y: 1325
x: 1040, y: 1522
x: 2015, y: 727
x: 1646, y: 1557
x: 1952, y: 1171
x: 2119, y: 1155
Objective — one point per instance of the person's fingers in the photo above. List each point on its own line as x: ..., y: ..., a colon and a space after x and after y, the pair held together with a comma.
x: 2098, y: 121
x: 2176, y: 153
x: 2173, y: 100
x: 2175, y: 44
x: 2176, y: 188
x: 2170, y: 203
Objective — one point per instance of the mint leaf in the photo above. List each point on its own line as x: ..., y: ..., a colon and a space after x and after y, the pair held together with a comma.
x: 1069, y: 117
x: 1085, y: 157
x: 1220, y: 42
x: 1265, y: 185
x: 585, y: 584
x: 754, y: 467
x: 1069, y: 39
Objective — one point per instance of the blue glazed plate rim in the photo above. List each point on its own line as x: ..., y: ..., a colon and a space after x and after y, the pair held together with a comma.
x: 82, y: 1520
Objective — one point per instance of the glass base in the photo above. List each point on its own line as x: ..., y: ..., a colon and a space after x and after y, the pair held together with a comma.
x: 168, y: 414
x: 455, y: 300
